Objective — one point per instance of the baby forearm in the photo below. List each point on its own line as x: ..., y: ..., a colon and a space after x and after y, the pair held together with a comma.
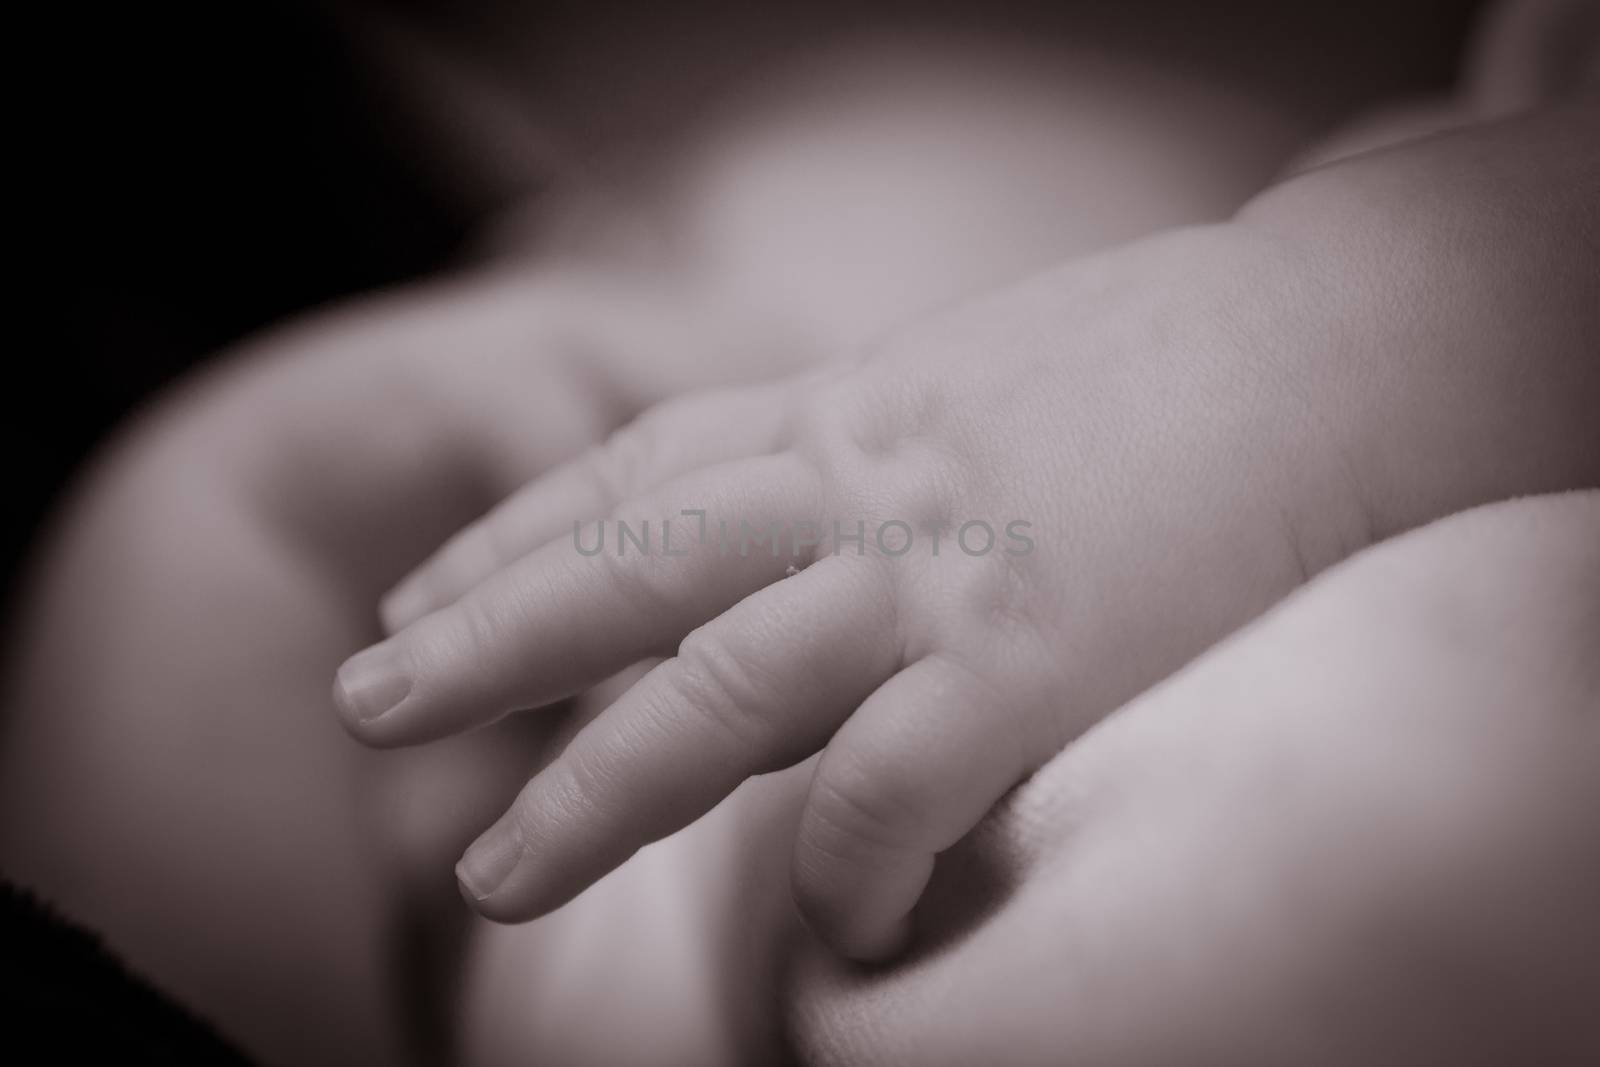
x: 1458, y: 281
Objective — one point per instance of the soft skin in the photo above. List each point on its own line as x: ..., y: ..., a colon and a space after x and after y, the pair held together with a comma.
x: 171, y: 775
x: 1193, y: 425
x: 1359, y: 831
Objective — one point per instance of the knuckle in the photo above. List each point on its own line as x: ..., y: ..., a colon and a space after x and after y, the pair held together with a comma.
x: 464, y: 644
x: 876, y: 465
x: 725, y: 688
x: 814, y: 885
x: 992, y: 602
x: 475, y: 621
x: 643, y: 581
x: 586, y: 786
x: 843, y: 836
x: 527, y: 815
x: 851, y: 813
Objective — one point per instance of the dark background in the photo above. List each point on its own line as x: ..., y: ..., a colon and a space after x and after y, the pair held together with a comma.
x: 204, y: 170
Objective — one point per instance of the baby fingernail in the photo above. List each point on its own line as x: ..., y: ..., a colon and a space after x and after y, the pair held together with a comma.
x: 371, y: 682
x: 489, y: 861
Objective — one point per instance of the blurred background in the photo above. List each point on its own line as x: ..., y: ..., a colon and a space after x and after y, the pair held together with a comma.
x: 208, y: 169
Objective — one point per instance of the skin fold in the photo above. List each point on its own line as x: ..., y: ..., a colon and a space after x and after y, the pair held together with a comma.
x: 169, y: 760
x: 172, y: 776
x: 1118, y: 405
x: 1358, y: 831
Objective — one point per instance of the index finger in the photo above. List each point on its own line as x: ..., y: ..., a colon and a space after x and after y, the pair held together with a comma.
x: 561, y: 619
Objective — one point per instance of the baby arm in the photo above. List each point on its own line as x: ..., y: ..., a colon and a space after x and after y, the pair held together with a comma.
x: 1186, y: 429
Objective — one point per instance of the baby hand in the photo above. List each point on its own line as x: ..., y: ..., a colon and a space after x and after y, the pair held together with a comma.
x: 936, y: 567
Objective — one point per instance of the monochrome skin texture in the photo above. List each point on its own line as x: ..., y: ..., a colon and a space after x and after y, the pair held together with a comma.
x: 1279, y: 747
x: 1119, y: 402
x: 1328, y: 840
